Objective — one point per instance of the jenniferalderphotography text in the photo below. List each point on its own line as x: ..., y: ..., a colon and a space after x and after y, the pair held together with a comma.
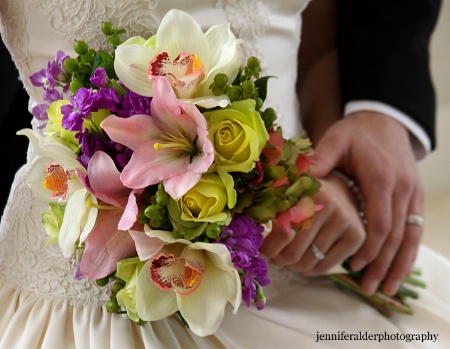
x: 379, y: 337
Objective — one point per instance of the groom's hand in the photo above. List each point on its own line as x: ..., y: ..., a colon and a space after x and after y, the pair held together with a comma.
x: 375, y: 150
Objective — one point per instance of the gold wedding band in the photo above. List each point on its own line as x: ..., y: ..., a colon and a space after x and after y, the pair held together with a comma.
x: 414, y: 219
x: 317, y: 253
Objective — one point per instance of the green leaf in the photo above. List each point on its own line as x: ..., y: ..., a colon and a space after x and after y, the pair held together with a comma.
x: 105, y: 60
x: 261, y: 85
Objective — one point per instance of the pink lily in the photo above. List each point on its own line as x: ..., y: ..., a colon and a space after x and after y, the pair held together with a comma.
x: 109, y: 241
x: 170, y: 146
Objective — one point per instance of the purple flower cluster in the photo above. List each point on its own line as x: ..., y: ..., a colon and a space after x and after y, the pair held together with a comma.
x: 243, y: 238
x: 55, y: 75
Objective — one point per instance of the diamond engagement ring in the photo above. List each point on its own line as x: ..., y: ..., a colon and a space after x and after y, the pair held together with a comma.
x: 414, y: 219
x: 317, y: 253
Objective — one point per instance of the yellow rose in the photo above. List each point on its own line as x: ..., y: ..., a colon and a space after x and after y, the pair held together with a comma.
x: 238, y: 135
x: 208, y: 200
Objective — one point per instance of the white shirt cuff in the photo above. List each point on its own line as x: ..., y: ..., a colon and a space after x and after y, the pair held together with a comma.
x: 420, y: 141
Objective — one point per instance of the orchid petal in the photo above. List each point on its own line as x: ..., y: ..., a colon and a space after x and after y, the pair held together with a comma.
x: 152, y: 303
x: 77, y: 218
x: 179, y: 32
x: 50, y: 147
x: 204, y: 309
x: 105, y: 246
x: 226, y: 56
x: 210, y: 102
x: 131, y: 65
x: 132, y: 131
x: 146, y: 246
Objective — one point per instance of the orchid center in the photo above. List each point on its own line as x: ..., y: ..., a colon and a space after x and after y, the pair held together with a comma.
x: 178, y: 274
x: 56, y: 180
x: 184, y: 73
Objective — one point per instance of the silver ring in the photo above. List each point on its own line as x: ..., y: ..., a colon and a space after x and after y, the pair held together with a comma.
x: 415, y: 219
x: 317, y: 253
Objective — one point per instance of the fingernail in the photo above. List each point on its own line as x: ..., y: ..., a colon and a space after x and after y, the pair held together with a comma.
x: 391, y: 288
x: 357, y: 264
x: 370, y: 287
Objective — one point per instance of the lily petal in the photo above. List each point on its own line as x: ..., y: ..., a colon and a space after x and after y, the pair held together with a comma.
x: 132, y: 131
x: 104, y: 179
x: 140, y: 170
x: 105, y: 246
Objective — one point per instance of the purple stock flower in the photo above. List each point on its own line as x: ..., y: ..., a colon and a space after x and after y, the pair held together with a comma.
x: 243, y: 238
x: 79, y: 108
x: 62, y: 74
x: 39, y: 111
x: 134, y: 104
x: 107, y: 98
x: 45, y: 77
x: 91, y: 143
x: 100, y: 78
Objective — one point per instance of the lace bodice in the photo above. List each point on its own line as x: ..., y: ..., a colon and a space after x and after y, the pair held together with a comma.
x: 34, y: 30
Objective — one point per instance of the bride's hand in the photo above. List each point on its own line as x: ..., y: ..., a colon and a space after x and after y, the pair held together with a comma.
x: 337, y: 231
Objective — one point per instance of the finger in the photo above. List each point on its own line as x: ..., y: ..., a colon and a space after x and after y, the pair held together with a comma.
x: 295, y: 250
x: 339, y: 252
x: 404, y: 260
x: 276, y: 241
x: 378, y: 269
x: 379, y: 191
x: 329, y: 153
x: 312, y: 255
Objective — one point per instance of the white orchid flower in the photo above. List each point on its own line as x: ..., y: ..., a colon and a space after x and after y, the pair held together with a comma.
x: 185, y: 55
x: 53, y: 177
x: 198, y: 279
x: 52, y: 173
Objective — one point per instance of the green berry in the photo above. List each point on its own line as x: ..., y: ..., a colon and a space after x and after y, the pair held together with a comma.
x: 108, y: 28
x: 80, y: 47
x: 114, y: 40
x: 75, y: 85
x: 153, y: 212
x: 220, y: 80
x: 112, y: 306
x: 217, y: 91
x: 259, y: 103
x: 213, y: 231
x: 248, y: 87
x: 235, y: 93
x: 102, y: 282
x: 116, y: 287
x: 253, y: 63
x: 71, y: 64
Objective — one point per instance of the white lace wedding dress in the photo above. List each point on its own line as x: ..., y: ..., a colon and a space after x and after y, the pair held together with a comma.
x: 42, y: 306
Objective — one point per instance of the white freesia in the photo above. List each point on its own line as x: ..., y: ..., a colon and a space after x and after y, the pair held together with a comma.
x: 216, y: 51
x: 203, y: 305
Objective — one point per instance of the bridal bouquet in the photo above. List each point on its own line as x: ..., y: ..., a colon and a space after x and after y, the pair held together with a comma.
x: 163, y: 171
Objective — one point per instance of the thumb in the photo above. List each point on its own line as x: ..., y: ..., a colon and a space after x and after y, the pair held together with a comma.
x: 328, y: 156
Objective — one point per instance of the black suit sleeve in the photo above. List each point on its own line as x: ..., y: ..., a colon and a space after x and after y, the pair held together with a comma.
x: 383, y: 54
